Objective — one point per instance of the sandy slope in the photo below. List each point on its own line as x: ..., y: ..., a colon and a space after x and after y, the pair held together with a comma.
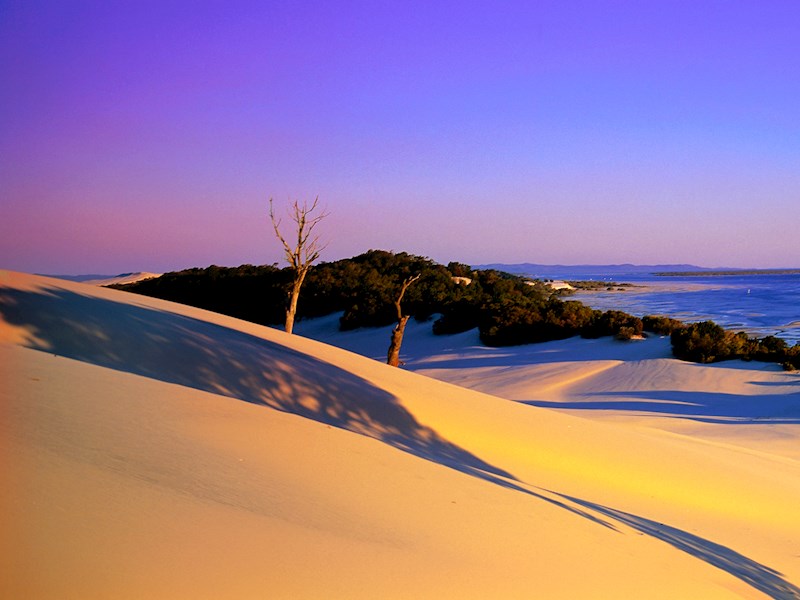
x: 752, y: 405
x: 124, y: 278
x: 153, y: 450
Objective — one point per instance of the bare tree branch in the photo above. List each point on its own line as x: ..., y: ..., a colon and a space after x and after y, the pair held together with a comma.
x: 393, y: 354
x: 406, y: 283
x: 306, y: 250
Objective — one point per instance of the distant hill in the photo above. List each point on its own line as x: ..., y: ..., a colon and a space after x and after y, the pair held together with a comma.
x: 591, y: 271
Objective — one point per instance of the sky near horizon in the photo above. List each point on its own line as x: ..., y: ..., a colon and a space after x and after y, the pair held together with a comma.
x: 150, y: 135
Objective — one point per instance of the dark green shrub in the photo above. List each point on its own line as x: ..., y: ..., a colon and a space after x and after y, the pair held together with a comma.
x: 770, y: 349
x: 458, y: 269
x: 661, y: 325
x: 509, y: 323
x: 791, y: 358
x: 459, y: 316
x: 253, y: 293
x: 703, y: 342
x: 610, y: 322
x: 625, y: 334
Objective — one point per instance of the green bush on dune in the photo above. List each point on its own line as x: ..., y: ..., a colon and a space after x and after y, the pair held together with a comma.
x: 707, y: 342
x: 661, y: 325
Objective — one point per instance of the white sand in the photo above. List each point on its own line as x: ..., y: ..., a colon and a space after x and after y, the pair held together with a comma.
x: 155, y: 450
x: 124, y: 278
x: 754, y: 405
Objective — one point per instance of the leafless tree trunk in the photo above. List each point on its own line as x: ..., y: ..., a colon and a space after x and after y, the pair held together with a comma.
x: 393, y: 356
x: 304, y: 250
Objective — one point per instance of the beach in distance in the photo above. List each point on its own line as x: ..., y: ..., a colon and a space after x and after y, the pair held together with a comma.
x: 153, y: 449
x: 760, y: 302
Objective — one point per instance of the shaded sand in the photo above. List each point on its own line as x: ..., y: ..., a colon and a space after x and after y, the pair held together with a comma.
x: 154, y: 450
x: 752, y: 405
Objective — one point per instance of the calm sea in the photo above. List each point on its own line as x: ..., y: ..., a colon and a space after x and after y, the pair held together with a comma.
x: 764, y: 304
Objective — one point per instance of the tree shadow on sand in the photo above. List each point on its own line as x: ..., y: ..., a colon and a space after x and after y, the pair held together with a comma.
x: 197, y: 354
x: 176, y: 349
x: 759, y: 576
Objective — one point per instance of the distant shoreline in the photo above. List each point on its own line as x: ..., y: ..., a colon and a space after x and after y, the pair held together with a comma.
x: 727, y: 273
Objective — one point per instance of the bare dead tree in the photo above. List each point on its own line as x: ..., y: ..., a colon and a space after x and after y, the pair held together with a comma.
x: 393, y: 356
x: 303, y: 251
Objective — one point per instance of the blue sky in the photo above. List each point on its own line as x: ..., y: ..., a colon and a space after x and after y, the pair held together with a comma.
x: 150, y: 135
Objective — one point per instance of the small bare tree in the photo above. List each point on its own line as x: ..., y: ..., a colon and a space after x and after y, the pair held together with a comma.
x: 304, y: 250
x: 393, y: 356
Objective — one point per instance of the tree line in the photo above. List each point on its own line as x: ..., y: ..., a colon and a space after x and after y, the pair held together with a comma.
x: 506, y: 309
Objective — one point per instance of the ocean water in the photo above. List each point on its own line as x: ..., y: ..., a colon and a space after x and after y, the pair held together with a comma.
x: 761, y: 305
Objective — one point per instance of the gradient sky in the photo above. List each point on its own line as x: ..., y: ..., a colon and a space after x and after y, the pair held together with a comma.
x: 150, y: 135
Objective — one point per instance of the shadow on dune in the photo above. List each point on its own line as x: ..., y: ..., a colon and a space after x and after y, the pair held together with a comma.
x: 759, y: 576
x: 705, y: 407
x: 577, y: 349
x: 573, y: 349
x: 197, y: 354
x: 794, y: 381
x: 200, y: 355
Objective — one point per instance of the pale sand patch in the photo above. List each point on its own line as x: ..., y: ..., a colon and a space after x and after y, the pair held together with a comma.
x: 124, y: 278
x: 754, y: 405
x: 650, y: 287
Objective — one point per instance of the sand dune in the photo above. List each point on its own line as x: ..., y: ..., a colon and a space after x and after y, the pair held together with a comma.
x: 638, y: 383
x: 123, y: 278
x: 155, y: 450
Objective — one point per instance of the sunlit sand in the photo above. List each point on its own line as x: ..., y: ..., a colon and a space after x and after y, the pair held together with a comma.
x: 155, y: 450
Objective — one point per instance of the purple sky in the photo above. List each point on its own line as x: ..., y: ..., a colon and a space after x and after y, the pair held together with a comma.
x: 150, y: 135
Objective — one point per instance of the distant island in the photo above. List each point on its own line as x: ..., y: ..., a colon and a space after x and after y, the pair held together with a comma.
x: 727, y: 272
x: 571, y: 272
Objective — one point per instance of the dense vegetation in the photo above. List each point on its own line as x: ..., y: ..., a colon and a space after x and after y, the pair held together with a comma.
x: 363, y: 288
x: 252, y: 293
x: 506, y: 309
x: 707, y: 342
